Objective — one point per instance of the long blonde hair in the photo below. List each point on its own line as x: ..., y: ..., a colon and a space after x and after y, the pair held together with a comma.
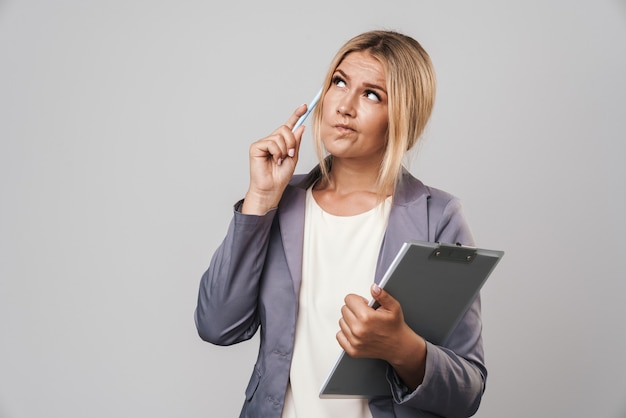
x: 410, y: 79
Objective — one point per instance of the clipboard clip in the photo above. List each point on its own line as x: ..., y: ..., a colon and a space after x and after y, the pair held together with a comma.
x: 458, y: 253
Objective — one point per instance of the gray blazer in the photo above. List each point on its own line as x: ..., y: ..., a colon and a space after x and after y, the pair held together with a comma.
x: 254, y: 280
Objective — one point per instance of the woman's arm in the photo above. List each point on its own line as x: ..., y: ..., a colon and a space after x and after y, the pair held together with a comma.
x: 227, y: 300
x: 448, y: 381
x: 455, y: 374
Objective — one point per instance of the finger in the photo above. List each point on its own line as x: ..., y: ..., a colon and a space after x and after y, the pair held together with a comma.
x: 291, y: 122
x: 348, y: 340
x: 267, y: 147
x: 355, y: 327
x: 345, y: 332
x: 355, y: 302
x: 343, y: 341
x: 273, y: 147
x: 385, y: 300
x: 343, y: 326
x: 347, y: 315
x: 298, y: 137
x: 291, y: 139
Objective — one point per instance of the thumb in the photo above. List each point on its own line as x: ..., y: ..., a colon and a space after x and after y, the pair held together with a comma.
x: 384, y: 299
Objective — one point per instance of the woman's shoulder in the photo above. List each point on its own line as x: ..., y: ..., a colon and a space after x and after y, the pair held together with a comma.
x: 439, y: 203
x: 297, y: 179
x: 439, y: 195
x: 411, y: 188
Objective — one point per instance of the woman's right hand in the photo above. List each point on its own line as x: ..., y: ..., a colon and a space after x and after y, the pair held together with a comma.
x: 273, y: 161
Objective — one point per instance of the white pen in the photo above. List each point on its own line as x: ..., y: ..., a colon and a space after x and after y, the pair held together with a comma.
x: 309, y: 109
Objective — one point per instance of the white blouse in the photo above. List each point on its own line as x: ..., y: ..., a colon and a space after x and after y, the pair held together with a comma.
x: 339, y: 257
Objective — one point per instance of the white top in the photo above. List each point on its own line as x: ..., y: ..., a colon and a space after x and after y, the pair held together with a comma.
x: 339, y: 257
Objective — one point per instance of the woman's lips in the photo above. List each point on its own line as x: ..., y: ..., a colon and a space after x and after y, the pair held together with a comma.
x: 342, y: 127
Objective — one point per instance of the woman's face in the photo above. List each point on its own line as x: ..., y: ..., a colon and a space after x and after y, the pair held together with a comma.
x: 354, y: 118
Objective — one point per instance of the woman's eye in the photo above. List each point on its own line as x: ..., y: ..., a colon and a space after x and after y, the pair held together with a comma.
x: 339, y: 82
x: 372, y: 96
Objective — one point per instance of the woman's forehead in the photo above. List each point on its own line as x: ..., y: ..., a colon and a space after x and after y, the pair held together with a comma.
x: 362, y: 63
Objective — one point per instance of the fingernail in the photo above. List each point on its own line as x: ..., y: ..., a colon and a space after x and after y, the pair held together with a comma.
x: 280, y: 161
x: 375, y: 289
x: 291, y: 152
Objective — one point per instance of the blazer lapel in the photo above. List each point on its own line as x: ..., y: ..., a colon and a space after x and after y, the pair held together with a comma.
x: 291, y: 222
x: 408, y: 220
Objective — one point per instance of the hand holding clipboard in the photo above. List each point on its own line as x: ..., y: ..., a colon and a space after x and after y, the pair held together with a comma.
x: 435, y: 285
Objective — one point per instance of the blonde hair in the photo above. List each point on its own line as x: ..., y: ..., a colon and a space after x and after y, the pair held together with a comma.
x: 410, y: 79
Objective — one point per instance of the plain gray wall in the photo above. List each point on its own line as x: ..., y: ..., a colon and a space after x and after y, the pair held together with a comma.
x: 124, y: 131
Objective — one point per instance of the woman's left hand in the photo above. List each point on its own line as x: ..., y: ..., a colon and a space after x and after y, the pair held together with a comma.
x: 382, y: 333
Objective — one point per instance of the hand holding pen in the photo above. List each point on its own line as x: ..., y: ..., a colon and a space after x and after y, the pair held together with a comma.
x: 273, y: 161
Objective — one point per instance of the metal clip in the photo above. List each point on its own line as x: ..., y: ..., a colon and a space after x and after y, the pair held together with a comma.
x: 456, y: 253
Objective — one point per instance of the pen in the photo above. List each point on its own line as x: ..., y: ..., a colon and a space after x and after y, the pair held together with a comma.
x: 309, y: 109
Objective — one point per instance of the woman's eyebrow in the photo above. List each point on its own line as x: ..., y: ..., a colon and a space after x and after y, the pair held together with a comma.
x: 368, y: 85
x: 344, y: 75
x: 375, y: 87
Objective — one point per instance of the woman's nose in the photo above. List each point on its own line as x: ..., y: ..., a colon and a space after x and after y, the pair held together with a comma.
x: 346, y: 107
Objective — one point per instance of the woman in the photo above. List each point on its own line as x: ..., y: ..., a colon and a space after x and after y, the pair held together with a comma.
x: 302, y: 251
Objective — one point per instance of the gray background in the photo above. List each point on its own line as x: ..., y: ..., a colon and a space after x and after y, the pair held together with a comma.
x: 124, y: 130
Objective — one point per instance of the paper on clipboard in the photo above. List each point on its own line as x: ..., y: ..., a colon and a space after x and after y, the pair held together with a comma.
x: 435, y: 285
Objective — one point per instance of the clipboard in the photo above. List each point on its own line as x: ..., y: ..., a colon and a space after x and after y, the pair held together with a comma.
x: 435, y: 285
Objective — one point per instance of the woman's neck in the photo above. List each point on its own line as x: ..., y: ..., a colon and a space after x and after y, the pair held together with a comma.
x: 351, y: 189
x: 350, y: 176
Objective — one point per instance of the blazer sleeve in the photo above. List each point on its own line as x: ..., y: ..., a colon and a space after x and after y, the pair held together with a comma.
x: 455, y: 374
x: 226, y: 312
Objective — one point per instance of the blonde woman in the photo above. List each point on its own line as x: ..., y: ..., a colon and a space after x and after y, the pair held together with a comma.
x: 303, y: 253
